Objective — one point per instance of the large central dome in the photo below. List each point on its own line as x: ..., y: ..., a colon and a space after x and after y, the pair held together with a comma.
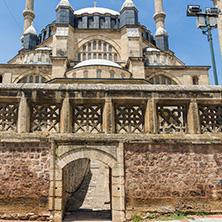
x: 93, y: 10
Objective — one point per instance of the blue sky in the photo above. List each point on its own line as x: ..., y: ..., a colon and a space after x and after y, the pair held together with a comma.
x: 188, y: 42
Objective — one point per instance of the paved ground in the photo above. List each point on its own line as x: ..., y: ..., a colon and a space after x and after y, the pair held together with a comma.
x: 70, y: 218
x: 213, y: 218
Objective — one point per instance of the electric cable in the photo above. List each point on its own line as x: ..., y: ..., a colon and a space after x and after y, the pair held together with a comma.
x: 12, y: 16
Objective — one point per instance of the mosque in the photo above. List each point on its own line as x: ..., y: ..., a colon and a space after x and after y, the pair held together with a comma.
x: 98, y: 43
x: 98, y: 115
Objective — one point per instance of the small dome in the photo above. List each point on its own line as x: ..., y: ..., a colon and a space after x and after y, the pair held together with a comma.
x: 97, y: 62
x: 161, y: 31
x: 30, y: 30
x: 128, y: 4
x: 93, y: 10
x: 152, y: 50
x: 64, y: 3
x: 45, y: 48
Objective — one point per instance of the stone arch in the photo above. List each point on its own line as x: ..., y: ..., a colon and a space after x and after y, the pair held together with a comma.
x: 20, y: 77
x: 89, y: 153
x: 68, y: 153
x: 166, y: 75
x: 84, y: 41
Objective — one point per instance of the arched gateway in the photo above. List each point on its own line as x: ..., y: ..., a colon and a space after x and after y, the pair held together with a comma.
x: 65, y: 154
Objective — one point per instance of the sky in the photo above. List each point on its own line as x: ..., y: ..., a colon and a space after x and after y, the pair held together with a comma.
x: 188, y: 42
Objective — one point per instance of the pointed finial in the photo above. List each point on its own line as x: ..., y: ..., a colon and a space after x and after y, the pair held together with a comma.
x: 95, y: 4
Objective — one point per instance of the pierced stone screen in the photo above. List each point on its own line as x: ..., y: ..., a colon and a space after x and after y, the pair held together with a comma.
x: 8, y: 116
x: 171, y: 119
x: 45, y: 117
x: 129, y: 118
x: 210, y: 118
x: 88, y: 118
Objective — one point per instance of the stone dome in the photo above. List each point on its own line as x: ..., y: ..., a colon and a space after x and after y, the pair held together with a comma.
x: 30, y: 30
x: 128, y: 4
x: 93, y: 10
x: 97, y: 62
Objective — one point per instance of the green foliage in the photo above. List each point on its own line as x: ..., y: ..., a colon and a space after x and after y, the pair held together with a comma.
x: 137, y: 218
x: 202, y: 213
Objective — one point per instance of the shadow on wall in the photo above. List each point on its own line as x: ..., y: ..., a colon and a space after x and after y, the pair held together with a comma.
x: 77, y: 198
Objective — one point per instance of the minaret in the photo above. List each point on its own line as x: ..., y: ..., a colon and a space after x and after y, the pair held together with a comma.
x: 161, y: 35
x: 28, y: 14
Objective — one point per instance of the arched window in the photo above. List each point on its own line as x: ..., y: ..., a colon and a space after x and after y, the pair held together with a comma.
x: 99, y: 74
x: 90, y: 23
x: 94, y: 45
x: 100, y: 45
x: 79, y: 57
x: 112, y: 74
x: 85, y: 74
x: 162, y: 80
x: 32, y: 79
x: 115, y: 57
x: 104, y: 47
x: 195, y: 80
x: 122, y: 76
x: 84, y: 56
x: 37, y: 79
x: 89, y: 46
x: 79, y: 23
x: 98, y: 49
x: 74, y: 75
x: 113, y: 23
x: 102, y: 23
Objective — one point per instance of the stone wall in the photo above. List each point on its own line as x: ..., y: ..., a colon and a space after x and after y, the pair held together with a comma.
x: 169, y: 177
x: 24, y: 180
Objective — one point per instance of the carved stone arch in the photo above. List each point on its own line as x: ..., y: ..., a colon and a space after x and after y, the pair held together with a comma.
x: 97, y: 37
x: 89, y: 153
x: 68, y: 153
x: 177, y: 81
x: 20, y: 77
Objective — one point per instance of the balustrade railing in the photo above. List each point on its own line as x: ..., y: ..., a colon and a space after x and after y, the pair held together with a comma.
x: 128, y: 117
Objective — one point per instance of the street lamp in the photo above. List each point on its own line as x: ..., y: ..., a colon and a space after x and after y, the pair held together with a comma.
x: 206, y: 20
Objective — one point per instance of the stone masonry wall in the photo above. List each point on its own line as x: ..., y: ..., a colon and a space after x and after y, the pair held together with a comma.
x: 169, y: 177
x: 24, y: 180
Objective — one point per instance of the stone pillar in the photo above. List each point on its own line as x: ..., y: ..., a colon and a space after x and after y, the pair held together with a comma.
x: 193, y: 119
x: 108, y: 120
x: 149, y: 117
x: 66, y: 117
x: 118, y: 187
x: 28, y: 14
x: 23, y: 116
x: 56, y: 188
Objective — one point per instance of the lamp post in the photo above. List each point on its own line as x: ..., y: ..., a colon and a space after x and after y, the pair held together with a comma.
x: 206, y: 20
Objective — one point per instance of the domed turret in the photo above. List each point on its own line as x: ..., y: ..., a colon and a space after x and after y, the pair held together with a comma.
x: 64, y: 13
x: 64, y: 3
x: 128, y: 4
x: 128, y: 14
x: 30, y: 30
x: 30, y: 38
